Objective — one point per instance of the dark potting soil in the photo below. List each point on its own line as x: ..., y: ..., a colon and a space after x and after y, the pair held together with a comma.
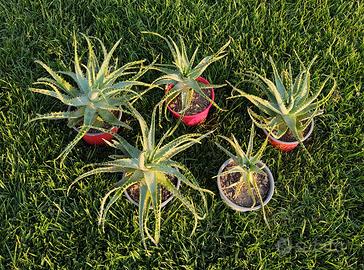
x: 288, y: 136
x: 198, y: 103
x: 133, y: 191
x: 244, y: 199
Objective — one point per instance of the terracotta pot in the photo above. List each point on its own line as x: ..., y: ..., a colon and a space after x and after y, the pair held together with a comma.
x: 287, y: 146
x: 163, y: 203
x: 241, y: 208
x: 193, y: 120
x: 97, y: 138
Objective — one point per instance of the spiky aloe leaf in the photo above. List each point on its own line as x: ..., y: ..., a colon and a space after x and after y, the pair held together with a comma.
x: 143, y: 125
x: 188, y: 204
x: 119, y: 190
x: 109, y: 117
x: 152, y: 180
x: 278, y: 81
x: 55, y: 93
x: 58, y: 115
x: 121, y: 144
x: 83, y: 130
x: 208, y: 60
x: 108, y: 169
x: 62, y: 83
x: 144, y: 202
x: 168, y: 153
x: 170, y: 169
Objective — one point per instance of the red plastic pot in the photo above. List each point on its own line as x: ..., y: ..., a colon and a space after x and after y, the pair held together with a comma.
x: 99, y: 137
x: 287, y: 146
x: 193, y: 120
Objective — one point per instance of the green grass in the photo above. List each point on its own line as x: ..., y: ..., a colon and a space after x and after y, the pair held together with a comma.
x: 316, y: 214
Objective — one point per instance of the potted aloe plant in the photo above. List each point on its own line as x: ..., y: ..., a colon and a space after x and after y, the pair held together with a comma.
x: 287, y: 114
x: 150, y: 177
x: 245, y: 183
x: 95, y: 96
x: 187, y: 95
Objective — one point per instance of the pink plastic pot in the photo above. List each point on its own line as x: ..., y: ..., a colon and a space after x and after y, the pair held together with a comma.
x: 286, y: 146
x: 193, y: 120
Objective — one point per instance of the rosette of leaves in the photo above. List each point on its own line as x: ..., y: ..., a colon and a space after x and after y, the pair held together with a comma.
x: 93, y: 92
x: 246, y: 164
x: 182, y: 73
x: 290, y: 104
x: 148, y: 167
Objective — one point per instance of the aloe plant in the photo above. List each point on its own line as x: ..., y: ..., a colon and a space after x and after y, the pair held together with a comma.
x: 246, y: 164
x: 289, y: 106
x: 93, y: 92
x: 148, y: 167
x: 183, y: 74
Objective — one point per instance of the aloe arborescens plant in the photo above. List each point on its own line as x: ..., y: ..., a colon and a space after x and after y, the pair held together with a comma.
x: 244, y: 181
x: 183, y: 79
x: 150, y: 167
x: 290, y: 106
x: 94, y: 93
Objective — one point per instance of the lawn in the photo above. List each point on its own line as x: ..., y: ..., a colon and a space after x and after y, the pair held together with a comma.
x: 316, y: 215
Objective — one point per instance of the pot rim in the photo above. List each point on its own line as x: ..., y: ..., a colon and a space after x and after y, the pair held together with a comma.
x: 99, y: 132
x: 202, y: 80
x: 242, y: 208
x: 294, y: 142
x: 151, y: 207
